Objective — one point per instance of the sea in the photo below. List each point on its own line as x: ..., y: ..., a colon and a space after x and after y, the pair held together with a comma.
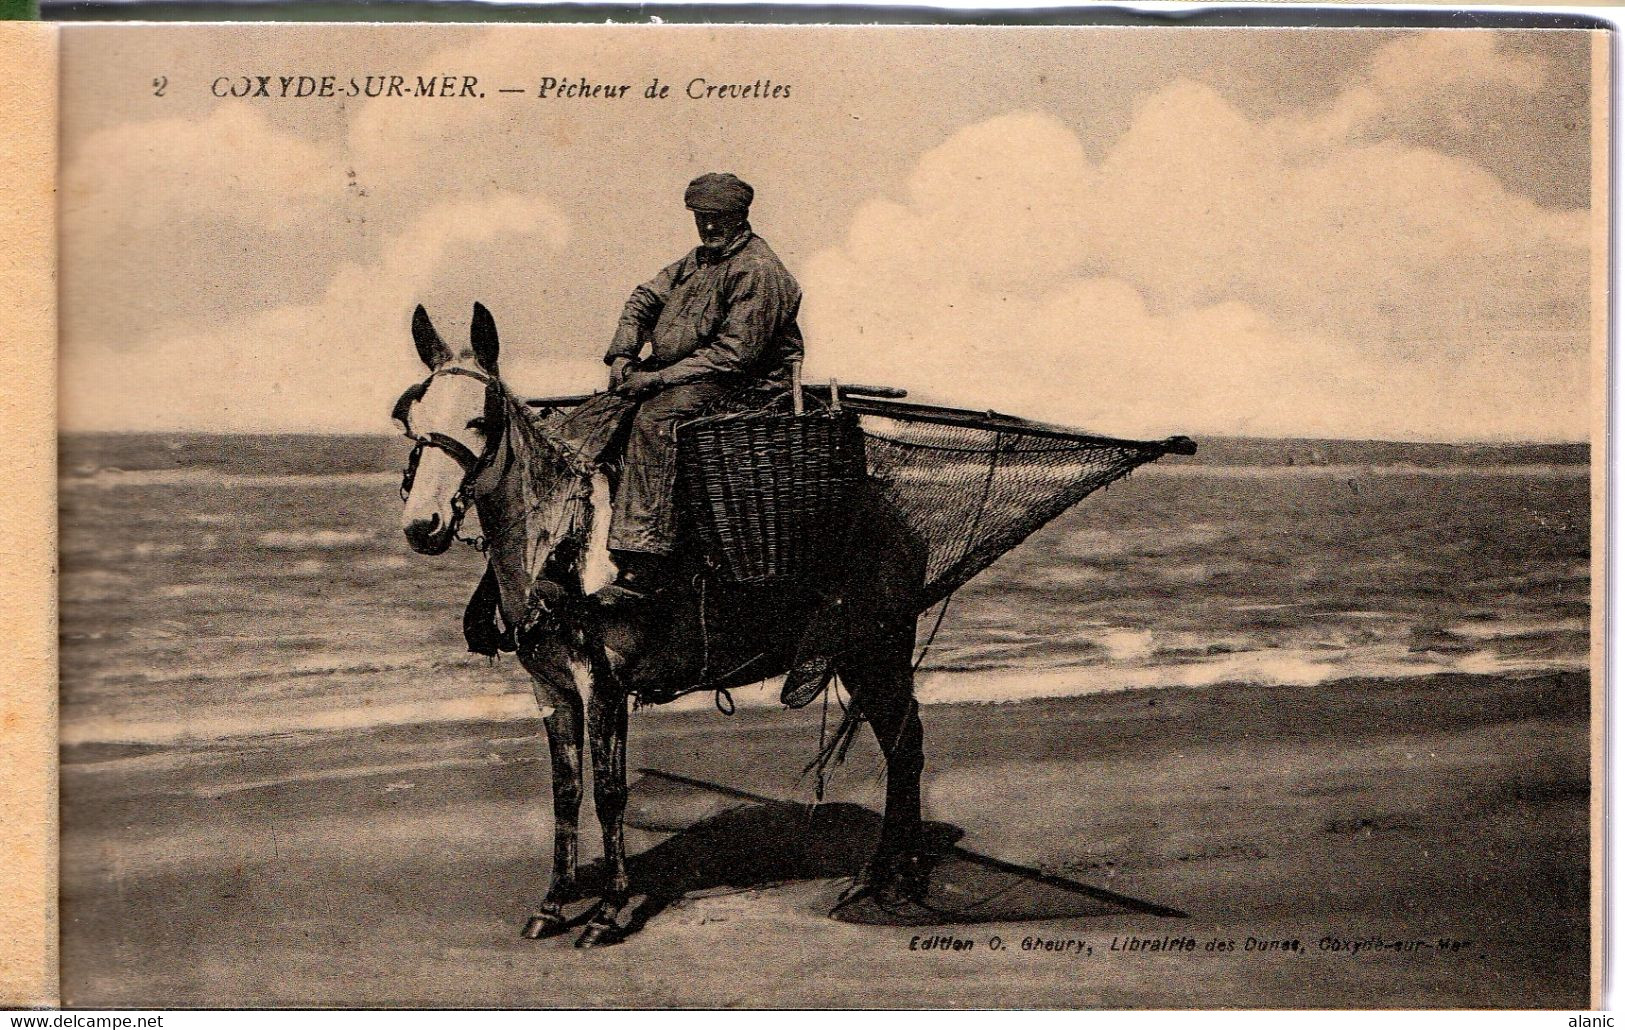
x: 218, y: 587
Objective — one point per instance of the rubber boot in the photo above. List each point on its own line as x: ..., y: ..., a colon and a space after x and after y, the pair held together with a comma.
x: 640, y: 581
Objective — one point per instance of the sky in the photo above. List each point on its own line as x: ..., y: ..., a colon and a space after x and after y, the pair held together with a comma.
x: 1266, y: 232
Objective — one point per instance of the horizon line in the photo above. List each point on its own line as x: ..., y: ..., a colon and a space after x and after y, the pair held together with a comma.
x: 384, y: 435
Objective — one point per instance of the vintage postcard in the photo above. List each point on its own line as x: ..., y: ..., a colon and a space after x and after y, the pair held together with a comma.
x: 743, y: 516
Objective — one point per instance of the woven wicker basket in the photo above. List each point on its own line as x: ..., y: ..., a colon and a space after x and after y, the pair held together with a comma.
x: 770, y: 494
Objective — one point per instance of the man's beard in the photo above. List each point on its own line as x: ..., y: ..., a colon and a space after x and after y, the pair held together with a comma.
x: 720, y: 242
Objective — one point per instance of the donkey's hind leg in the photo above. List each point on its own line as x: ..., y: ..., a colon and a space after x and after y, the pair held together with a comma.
x: 881, y: 678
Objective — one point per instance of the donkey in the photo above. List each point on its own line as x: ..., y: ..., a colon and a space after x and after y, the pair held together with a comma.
x: 544, y: 514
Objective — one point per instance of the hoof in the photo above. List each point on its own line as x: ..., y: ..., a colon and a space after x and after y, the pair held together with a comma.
x: 600, y: 935
x: 895, y: 879
x: 604, y: 928
x: 545, y: 923
x: 549, y: 919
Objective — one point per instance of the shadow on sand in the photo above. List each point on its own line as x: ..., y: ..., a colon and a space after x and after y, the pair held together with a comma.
x: 725, y: 838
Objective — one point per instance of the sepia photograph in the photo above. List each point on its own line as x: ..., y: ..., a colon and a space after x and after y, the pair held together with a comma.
x: 729, y: 516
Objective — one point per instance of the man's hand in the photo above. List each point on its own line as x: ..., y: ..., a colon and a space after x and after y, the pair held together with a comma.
x: 619, y: 369
x: 638, y: 385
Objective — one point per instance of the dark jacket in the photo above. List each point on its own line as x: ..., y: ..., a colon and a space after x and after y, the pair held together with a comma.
x: 708, y: 318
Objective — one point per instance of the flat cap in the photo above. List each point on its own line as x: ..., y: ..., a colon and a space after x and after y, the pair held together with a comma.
x: 719, y: 193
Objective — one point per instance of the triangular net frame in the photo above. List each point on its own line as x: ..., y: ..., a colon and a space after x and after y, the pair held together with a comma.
x: 974, y: 485
x: 970, y: 485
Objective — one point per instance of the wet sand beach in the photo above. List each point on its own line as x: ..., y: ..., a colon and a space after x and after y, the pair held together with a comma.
x: 1422, y: 841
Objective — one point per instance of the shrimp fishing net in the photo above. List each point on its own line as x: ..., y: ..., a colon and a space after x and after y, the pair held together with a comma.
x: 768, y: 487
x: 975, y: 489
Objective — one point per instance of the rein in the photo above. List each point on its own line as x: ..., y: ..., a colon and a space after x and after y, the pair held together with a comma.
x: 473, y: 465
x: 553, y: 552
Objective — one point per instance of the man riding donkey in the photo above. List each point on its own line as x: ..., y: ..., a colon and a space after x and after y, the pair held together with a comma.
x: 719, y: 320
x: 717, y: 324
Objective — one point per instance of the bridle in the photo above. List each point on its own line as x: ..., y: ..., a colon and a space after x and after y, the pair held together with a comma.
x: 473, y: 465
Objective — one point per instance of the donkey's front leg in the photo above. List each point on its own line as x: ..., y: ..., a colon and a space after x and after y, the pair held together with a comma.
x: 564, y: 741
x: 606, y: 731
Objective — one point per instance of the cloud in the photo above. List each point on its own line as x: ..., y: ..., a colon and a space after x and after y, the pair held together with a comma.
x: 996, y: 204
x: 226, y: 273
x: 1391, y: 240
x: 1222, y: 273
x: 1426, y: 77
x: 332, y: 364
x: 232, y: 164
x: 1092, y: 353
x: 177, y: 220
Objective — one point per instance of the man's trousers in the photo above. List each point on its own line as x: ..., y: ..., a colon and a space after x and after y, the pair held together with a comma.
x: 645, y: 516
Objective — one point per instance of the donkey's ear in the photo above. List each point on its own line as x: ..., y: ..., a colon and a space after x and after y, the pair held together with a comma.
x: 483, y: 335
x: 431, y: 348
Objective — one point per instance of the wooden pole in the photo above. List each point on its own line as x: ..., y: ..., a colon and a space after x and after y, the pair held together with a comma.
x: 993, y: 420
x: 795, y: 387
x: 849, y: 391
